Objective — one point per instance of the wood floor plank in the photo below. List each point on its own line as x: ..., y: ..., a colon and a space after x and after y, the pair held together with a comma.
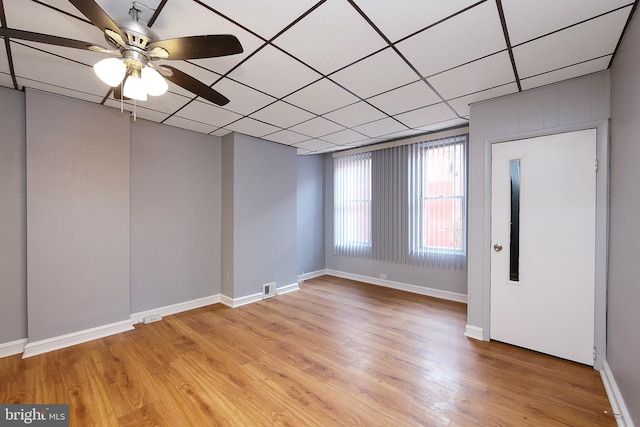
x: 335, y: 353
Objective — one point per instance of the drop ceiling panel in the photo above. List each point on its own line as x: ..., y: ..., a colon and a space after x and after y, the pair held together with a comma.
x: 282, y: 114
x: 31, y: 16
x: 344, y: 137
x: 242, y: 99
x: 189, y: 124
x: 167, y: 103
x: 355, y: 114
x: 378, y: 73
x: 314, y: 145
x: 380, y: 127
x: 208, y: 113
x: 57, y: 90
x: 330, y: 37
x: 486, y: 73
x: 566, y: 73
x: 249, y: 126
x: 4, y: 62
x: 186, y: 18
x: 400, y: 18
x: 427, y: 115
x: 43, y: 67
x: 409, y: 97
x: 5, y: 80
x: 445, y: 125
x: 265, y: 17
x: 571, y: 46
x: 456, y: 41
x: 321, y: 97
x: 461, y: 104
x: 140, y: 111
x: 527, y: 20
x: 287, y: 137
x: 274, y: 72
x: 317, y: 127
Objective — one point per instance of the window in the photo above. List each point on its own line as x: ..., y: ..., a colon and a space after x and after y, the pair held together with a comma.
x: 442, y: 197
x: 352, y: 204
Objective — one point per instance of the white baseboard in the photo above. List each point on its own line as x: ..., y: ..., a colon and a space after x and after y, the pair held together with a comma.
x: 12, y: 347
x: 176, y: 308
x: 620, y: 410
x: 238, y: 302
x: 312, y: 275
x: 473, y: 332
x: 38, y: 347
x: 430, y: 292
x: 288, y: 288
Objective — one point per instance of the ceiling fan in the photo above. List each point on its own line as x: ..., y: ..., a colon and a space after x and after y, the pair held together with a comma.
x: 133, y: 71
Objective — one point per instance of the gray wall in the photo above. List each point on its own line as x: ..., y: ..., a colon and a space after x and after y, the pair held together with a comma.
x: 570, y: 105
x: 444, y: 279
x: 311, y: 253
x: 227, y: 236
x: 175, y: 215
x: 13, y: 256
x: 264, y: 214
x: 77, y: 215
x: 623, y: 352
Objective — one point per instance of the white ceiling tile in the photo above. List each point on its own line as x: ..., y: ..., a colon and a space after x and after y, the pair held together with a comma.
x: 461, y: 104
x: 242, y: 99
x: 4, y: 65
x: 314, y: 145
x: 31, y: 16
x: 330, y: 37
x: 76, y: 94
x: 405, y: 98
x: 445, y: 124
x: 274, y: 72
x: 427, y: 115
x: 188, y: 18
x: 530, y: 19
x: 400, y: 18
x: 343, y: 137
x: 140, y: 112
x: 566, y: 73
x: 486, y: 73
x: 355, y: 114
x: 167, y: 103
x: 208, y: 113
x: 286, y: 137
x: 456, y: 41
x: 317, y: 127
x: 251, y: 127
x: 282, y: 114
x: 189, y: 124
x: 221, y: 132
x: 576, y: 44
x: 5, y: 80
x: 303, y: 152
x: 321, y: 97
x: 42, y: 67
x: 266, y: 17
x: 376, y: 74
x: 380, y: 127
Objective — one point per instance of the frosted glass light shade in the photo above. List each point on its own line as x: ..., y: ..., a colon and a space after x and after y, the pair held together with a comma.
x: 154, y: 83
x: 111, y: 71
x: 134, y: 88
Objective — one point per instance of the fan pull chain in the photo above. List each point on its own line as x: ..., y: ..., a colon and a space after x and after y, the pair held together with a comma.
x: 134, y: 110
x: 121, y: 97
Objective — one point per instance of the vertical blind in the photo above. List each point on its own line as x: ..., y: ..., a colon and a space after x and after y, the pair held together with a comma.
x: 405, y: 204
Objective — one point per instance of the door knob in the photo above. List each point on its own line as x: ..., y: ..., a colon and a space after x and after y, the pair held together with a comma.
x: 497, y: 247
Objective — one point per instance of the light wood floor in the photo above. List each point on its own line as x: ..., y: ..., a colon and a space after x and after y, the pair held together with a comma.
x: 334, y: 353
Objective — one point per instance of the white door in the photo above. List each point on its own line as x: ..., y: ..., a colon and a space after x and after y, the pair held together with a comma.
x: 543, y: 212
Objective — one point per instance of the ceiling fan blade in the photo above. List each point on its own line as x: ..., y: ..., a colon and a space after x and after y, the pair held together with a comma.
x: 196, y: 47
x: 48, y: 39
x: 196, y: 87
x: 97, y: 16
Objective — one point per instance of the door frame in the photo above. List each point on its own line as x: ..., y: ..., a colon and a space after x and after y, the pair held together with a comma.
x: 602, y: 228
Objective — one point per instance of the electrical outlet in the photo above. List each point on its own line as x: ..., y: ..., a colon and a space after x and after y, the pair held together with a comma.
x: 152, y: 318
x: 268, y: 290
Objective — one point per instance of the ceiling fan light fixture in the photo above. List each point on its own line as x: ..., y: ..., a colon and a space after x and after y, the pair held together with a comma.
x: 134, y: 87
x: 110, y: 70
x: 154, y: 83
